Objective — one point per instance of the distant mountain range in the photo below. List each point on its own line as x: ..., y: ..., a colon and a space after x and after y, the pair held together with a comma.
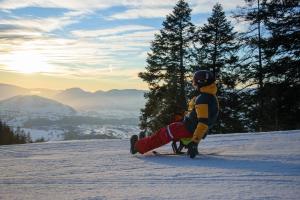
x: 35, y: 105
x: 129, y: 100
x: 8, y: 91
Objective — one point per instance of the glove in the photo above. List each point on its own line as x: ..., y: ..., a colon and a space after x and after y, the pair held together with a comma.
x: 192, y: 149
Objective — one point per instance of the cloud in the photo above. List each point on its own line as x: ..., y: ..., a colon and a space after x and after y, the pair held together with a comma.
x: 14, y: 33
x: 17, y: 32
x: 121, y: 40
x: 83, y: 5
x: 110, y: 31
x: 143, y: 55
x: 38, y: 24
x: 206, y: 6
x: 141, y: 13
x: 154, y: 9
x: 81, y: 56
x: 149, y: 3
x: 15, y: 27
x: 239, y: 26
x: 144, y: 9
x: 134, y: 8
x: 103, y: 53
x: 159, y: 9
x: 66, y: 4
x: 107, y: 72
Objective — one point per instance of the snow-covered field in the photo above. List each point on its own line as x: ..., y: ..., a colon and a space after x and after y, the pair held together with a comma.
x: 238, y: 166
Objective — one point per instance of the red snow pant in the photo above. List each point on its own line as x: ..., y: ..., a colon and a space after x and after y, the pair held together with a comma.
x: 174, y: 131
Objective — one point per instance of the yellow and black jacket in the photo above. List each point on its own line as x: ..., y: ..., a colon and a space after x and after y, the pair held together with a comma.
x: 203, y: 112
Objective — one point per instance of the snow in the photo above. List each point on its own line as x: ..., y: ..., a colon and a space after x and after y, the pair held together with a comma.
x: 117, y: 131
x: 56, y: 129
x: 237, y: 166
x: 48, y: 135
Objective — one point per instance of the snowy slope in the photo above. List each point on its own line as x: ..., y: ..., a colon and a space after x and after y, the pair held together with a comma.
x: 238, y: 166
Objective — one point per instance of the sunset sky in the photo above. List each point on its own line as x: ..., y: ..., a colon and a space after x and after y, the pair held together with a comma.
x: 91, y: 44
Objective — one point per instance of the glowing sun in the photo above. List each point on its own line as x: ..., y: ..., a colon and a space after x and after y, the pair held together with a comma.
x: 28, y: 62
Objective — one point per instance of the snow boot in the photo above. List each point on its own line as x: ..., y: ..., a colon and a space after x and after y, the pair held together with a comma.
x: 133, y: 140
x: 192, y: 149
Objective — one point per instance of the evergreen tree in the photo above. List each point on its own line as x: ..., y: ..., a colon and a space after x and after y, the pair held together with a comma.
x: 273, y: 63
x: 8, y: 136
x: 167, y: 69
x: 283, y: 70
x: 217, y: 50
x: 252, y: 72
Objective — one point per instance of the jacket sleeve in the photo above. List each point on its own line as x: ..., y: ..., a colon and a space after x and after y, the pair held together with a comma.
x: 202, y: 110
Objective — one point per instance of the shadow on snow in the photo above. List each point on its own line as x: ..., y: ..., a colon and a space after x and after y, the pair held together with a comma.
x: 231, y: 162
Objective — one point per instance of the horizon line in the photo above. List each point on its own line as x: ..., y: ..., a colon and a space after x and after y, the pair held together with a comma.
x: 67, y: 88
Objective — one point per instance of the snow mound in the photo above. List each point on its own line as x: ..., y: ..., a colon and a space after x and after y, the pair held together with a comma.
x: 237, y: 166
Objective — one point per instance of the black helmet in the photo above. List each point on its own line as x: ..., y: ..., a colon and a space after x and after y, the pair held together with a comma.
x: 203, y: 78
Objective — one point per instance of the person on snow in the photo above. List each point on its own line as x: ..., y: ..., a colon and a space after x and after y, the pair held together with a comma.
x: 203, y: 113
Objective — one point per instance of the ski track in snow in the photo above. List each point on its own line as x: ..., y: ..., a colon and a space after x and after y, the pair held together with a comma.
x: 237, y: 166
